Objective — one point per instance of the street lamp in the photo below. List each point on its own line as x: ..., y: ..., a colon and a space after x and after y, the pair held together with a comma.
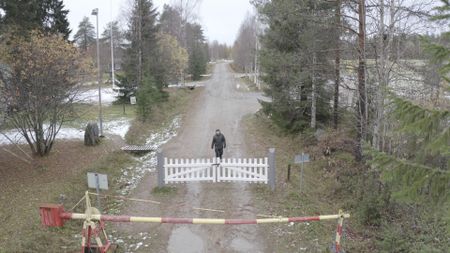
x: 113, y: 78
x: 95, y: 13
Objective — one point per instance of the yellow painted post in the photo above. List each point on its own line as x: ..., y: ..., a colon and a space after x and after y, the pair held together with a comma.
x: 339, y: 232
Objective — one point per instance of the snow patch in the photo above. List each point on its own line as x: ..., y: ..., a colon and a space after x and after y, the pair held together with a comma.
x: 116, y: 127
x: 131, y: 176
x: 91, y: 96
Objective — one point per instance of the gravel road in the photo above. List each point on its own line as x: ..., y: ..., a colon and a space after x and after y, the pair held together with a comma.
x: 221, y: 106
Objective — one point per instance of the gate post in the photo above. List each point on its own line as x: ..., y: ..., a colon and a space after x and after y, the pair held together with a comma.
x: 272, y: 172
x: 160, y: 167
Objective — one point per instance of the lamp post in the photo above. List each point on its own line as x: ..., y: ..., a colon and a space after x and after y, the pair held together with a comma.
x: 113, y: 78
x: 100, y: 116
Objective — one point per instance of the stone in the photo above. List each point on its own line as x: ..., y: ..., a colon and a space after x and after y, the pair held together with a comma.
x: 91, y: 135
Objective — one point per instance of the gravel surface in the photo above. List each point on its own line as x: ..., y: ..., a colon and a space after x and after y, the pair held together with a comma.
x: 219, y: 106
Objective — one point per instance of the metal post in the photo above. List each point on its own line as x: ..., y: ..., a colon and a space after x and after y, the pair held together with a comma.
x: 113, y: 78
x: 160, y: 168
x: 99, y: 77
x: 272, y: 171
x: 289, y: 173
x: 97, y: 187
x: 301, y: 171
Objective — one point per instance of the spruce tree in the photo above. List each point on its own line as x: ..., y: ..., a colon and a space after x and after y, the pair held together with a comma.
x: 21, y: 15
x: 295, y: 59
x: 54, y: 18
x: 49, y: 16
x: 141, y: 33
x: 197, y: 50
x: 419, y: 168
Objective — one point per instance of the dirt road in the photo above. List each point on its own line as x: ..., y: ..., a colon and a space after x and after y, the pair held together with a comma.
x: 219, y: 106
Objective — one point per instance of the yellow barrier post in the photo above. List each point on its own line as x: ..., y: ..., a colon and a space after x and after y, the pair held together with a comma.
x: 339, y: 231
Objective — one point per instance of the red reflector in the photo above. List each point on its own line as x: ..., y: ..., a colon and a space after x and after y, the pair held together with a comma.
x: 51, y: 215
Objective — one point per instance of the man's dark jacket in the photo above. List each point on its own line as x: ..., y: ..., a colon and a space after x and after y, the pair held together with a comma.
x: 219, y: 142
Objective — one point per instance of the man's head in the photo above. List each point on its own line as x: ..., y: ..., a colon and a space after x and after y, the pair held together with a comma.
x: 217, y: 131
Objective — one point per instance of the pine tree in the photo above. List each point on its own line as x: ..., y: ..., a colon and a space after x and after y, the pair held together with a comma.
x: 85, y: 35
x: 170, y: 22
x: 118, y: 35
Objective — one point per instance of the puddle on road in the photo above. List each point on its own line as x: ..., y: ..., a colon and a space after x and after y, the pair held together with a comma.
x: 242, y: 245
x: 184, y: 240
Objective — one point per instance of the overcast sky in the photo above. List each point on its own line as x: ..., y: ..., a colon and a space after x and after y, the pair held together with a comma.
x: 220, y: 18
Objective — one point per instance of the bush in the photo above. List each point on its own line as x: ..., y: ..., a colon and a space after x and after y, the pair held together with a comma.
x: 147, y: 96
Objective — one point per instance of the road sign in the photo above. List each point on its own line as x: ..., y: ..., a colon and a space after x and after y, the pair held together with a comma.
x: 133, y: 100
x: 303, y: 158
x: 102, y: 180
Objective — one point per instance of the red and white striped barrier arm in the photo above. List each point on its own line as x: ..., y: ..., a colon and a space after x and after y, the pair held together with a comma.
x: 116, y: 218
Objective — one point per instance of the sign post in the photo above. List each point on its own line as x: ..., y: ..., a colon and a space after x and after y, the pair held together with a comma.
x: 301, y: 159
x: 97, y: 181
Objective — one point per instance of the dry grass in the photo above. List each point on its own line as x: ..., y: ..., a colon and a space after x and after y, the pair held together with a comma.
x: 178, y: 104
x: 25, y: 186
x: 317, y: 196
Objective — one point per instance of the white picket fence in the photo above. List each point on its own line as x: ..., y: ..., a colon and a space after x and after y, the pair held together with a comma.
x: 253, y: 170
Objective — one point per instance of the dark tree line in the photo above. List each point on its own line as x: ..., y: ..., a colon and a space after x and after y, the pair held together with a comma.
x: 49, y: 16
x: 189, y: 35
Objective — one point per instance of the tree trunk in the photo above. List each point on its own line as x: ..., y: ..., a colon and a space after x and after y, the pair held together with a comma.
x: 361, y: 112
x: 313, y: 93
x: 337, y: 66
x: 381, y: 72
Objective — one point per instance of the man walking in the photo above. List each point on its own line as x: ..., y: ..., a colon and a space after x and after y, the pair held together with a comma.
x: 219, y: 143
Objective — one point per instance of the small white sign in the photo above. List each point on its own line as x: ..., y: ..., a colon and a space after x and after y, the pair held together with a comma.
x: 133, y: 100
x: 102, y: 180
x: 303, y: 158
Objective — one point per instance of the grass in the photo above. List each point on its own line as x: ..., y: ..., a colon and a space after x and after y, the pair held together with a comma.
x: 249, y: 85
x: 64, y: 172
x: 315, y: 198
x: 24, y: 186
x: 165, y: 191
x: 85, y: 113
x: 177, y: 104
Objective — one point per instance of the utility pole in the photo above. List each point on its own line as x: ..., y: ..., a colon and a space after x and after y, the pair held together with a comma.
x: 113, y: 77
x: 99, y: 77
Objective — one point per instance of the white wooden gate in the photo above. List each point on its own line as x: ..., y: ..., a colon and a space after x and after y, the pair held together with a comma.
x: 244, y: 170
x: 252, y: 170
x: 214, y: 170
x: 189, y: 170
